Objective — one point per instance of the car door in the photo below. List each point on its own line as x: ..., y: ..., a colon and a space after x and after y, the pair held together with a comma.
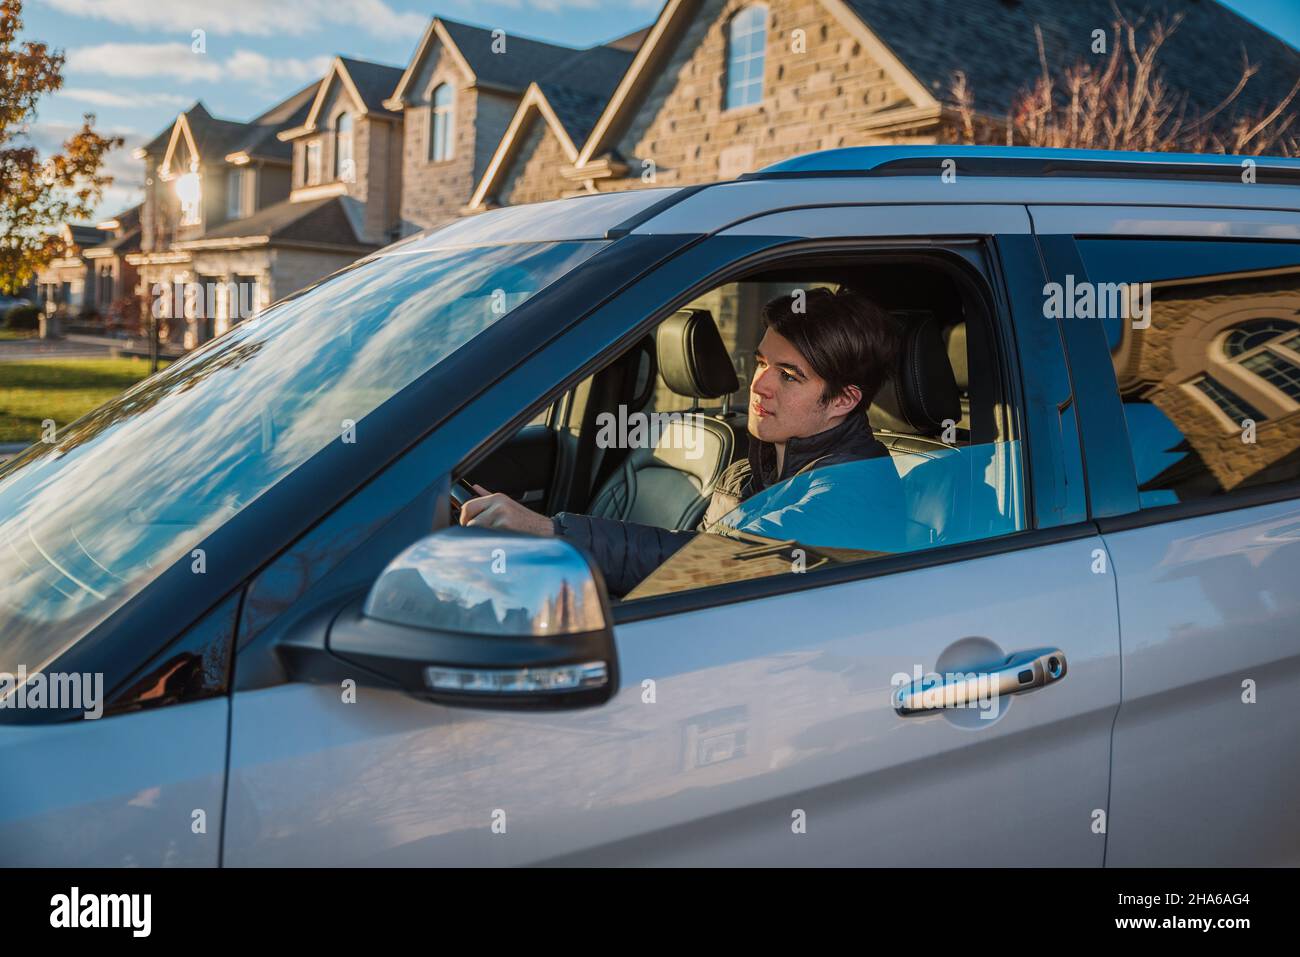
x: 752, y: 725
x: 1200, y: 510
x: 140, y: 780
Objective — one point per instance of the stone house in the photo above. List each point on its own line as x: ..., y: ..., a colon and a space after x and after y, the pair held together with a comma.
x: 462, y: 91
x: 112, y: 280
x: 202, y: 175
x: 722, y: 87
x: 65, y: 287
x: 711, y: 90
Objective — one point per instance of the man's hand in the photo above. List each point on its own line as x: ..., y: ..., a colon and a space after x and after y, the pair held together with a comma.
x: 497, y: 510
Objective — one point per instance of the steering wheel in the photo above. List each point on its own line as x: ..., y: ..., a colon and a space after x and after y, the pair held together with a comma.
x: 461, y: 493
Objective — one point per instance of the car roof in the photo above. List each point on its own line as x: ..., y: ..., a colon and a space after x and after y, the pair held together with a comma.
x: 889, y: 175
x: 914, y: 175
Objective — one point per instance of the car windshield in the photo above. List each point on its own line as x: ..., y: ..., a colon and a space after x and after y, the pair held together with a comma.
x: 123, y: 493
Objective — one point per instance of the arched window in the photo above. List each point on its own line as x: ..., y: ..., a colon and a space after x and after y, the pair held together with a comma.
x: 1270, y: 348
x: 746, y: 45
x: 442, y: 125
x: 344, y: 168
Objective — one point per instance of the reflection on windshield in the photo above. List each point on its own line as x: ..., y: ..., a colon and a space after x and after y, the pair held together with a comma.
x: 128, y: 490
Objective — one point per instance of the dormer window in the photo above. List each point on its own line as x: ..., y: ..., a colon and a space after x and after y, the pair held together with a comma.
x: 442, y: 123
x: 238, y: 193
x: 746, y: 51
x: 344, y: 168
x: 313, y: 163
x: 189, y: 193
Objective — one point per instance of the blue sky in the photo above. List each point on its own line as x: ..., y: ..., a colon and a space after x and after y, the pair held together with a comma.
x: 130, y: 61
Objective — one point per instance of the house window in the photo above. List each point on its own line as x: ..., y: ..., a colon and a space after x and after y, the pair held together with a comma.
x: 1268, y: 348
x: 237, y: 193
x: 746, y: 44
x: 189, y: 191
x: 442, y: 123
x: 313, y: 162
x: 1230, y: 404
x: 344, y: 168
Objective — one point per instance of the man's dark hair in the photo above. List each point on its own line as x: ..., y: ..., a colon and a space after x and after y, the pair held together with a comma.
x: 847, y: 338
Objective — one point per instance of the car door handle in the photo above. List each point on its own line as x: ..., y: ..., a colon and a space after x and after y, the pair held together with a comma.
x: 1018, y: 673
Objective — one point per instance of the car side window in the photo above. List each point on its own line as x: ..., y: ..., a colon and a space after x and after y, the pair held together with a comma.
x: 1205, y: 341
x: 951, y: 468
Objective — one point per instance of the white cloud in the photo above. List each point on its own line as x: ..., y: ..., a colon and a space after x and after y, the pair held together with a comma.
x: 130, y: 100
x: 175, y: 61
x: 262, y: 70
x: 250, y: 17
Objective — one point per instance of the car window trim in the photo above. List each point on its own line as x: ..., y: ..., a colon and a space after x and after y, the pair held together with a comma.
x: 791, y: 248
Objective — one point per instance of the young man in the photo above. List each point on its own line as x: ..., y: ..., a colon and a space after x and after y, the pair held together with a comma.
x: 816, y: 372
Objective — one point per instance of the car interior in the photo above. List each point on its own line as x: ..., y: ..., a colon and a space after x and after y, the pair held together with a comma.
x: 699, y: 359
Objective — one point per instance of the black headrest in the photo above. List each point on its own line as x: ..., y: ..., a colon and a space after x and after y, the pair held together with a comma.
x: 922, y: 392
x: 692, y: 359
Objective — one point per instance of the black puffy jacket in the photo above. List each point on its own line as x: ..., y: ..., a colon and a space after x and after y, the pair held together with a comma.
x: 626, y: 552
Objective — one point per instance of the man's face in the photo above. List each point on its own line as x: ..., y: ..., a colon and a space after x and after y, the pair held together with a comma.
x: 785, y: 394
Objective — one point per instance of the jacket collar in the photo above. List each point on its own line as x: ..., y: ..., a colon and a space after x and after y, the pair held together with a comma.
x: 852, y: 437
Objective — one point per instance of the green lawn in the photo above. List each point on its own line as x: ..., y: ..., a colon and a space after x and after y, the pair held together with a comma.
x: 58, y: 389
x: 16, y: 334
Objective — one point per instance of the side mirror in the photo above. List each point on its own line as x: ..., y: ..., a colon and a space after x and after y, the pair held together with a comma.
x: 488, y: 617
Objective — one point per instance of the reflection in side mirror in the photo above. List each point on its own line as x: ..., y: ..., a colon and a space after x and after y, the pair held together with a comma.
x: 488, y: 616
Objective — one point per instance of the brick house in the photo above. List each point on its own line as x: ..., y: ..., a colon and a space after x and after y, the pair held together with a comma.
x: 203, y: 174
x: 65, y: 287
x: 461, y: 93
x: 722, y: 87
x: 350, y: 147
x: 111, y: 279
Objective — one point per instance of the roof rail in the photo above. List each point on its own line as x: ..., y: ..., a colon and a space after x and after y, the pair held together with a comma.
x: 1027, y: 161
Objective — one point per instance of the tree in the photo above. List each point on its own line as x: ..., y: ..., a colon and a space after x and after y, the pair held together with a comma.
x: 1124, y: 103
x: 38, y: 195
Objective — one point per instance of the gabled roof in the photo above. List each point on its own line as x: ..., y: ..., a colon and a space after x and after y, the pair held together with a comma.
x: 374, y: 82
x: 367, y: 83
x: 994, y: 44
x: 126, y: 242
x: 83, y: 237
x: 523, y: 61
x: 321, y: 222
x: 124, y: 221
x: 261, y: 141
x: 214, y: 139
x: 569, y: 99
x: 922, y: 43
x: 667, y: 31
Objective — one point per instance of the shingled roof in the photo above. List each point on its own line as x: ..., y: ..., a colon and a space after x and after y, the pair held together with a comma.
x: 994, y: 44
x: 580, y: 86
x: 523, y: 61
x: 322, y: 221
x: 260, y: 139
x: 374, y: 81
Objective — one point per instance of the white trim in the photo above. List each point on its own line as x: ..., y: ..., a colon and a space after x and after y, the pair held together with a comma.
x: 534, y: 98
x: 397, y: 101
x: 915, y: 90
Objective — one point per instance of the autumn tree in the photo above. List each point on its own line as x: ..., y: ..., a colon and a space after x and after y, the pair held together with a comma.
x: 38, y: 194
x: 1124, y: 102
